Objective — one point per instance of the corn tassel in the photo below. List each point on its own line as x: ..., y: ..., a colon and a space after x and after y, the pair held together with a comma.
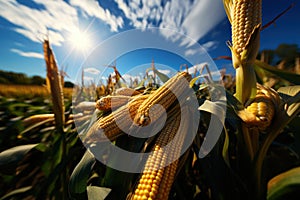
x: 54, y: 86
x: 163, y: 96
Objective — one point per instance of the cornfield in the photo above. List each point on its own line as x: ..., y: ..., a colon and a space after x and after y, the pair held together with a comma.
x: 50, y: 142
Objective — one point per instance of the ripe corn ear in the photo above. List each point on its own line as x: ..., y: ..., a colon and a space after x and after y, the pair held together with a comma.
x: 108, y: 124
x: 156, y: 180
x: 163, y: 96
x: 245, y: 18
x: 127, y: 91
x: 112, y: 102
x: 261, y: 110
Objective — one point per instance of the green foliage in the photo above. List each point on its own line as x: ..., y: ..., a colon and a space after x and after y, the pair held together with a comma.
x: 285, y: 185
x: 261, y: 69
x: 11, y: 157
x: 23, y: 79
x: 97, y: 193
x: 40, y: 169
x: 79, y: 177
x: 19, y: 78
x: 286, y: 53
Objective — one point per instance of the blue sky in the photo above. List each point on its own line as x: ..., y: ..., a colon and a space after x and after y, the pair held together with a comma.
x: 25, y: 23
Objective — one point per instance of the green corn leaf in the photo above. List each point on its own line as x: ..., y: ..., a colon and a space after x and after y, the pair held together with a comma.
x: 97, y: 193
x: 218, y: 111
x: 215, y: 108
x: 164, y: 78
x: 285, y: 113
x: 80, y: 175
x: 36, y: 125
x: 10, y: 157
x: 291, y: 95
x: 289, y: 76
x: 225, y: 153
x: 288, y: 92
x: 193, y: 81
x: 16, y: 192
x: 285, y: 185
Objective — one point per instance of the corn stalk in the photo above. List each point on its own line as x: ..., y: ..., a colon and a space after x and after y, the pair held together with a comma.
x: 245, y: 19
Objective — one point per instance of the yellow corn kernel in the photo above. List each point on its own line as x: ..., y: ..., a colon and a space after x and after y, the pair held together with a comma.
x: 112, y: 102
x: 246, y: 15
x: 245, y: 18
x: 159, y: 178
x: 162, y: 96
x: 108, y: 124
x: 126, y: 91
x: 262, y: 107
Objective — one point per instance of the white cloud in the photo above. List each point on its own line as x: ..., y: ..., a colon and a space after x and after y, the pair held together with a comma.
x: 164, y: 71
x: 128, y: 78
x: 28, y: 54
x: 55, y: 20
x: 174, y: 13
x: 58, y: 18
x: 92, y: 70
x: 141, y: 13
x: 104, y: 78
x: 190, y: 52
x: 193, y: 18
x: 210, y: 45
x: 204, y: 16
x: 34, y: 23
x: 93, y: 9
x: 197, y: 68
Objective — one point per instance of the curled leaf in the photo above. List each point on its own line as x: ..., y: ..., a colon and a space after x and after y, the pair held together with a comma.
x: 284, y: 185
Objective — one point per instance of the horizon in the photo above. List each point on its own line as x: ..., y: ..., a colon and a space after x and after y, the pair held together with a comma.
x: 24, y: 24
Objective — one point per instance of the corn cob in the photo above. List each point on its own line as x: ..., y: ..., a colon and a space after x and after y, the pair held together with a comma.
x: 126, y: 91
x: 245, y: 18
x: 261, y: 110
x: 85, y: 106
x: 163, y: 96
x: 112, y: 102
x: 246, y: 15
x: 156, y: 180
x: 108, y: 124
x: 153, y: 173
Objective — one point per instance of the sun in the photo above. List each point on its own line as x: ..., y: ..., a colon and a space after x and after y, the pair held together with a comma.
x: 80, y: 40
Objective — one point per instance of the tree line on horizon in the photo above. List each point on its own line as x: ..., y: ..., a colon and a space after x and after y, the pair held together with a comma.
x: 14, y: 78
